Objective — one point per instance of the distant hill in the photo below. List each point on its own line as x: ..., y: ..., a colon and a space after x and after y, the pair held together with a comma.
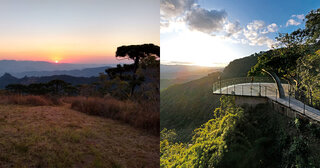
x: 176, y: 74
x: 240, y: 67
x: 13, y: 67
x: 87, y: 72
x: 186, y: 106
x: 9, y: 79
x: 185, y: 71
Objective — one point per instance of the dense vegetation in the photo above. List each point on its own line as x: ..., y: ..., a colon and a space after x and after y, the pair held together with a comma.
x: 185, y: 107
x: 144, y: 115
x: 7, y: 79
x: 244, y: 137
x: 296, y: 58
x: 54, y: 87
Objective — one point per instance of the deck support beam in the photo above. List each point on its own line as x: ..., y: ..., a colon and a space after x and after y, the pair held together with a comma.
x: 277, y: 81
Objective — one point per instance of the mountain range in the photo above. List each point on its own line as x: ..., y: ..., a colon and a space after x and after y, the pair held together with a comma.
x: 9, y: 79
x: 87, y: 72
x: 41, y: 68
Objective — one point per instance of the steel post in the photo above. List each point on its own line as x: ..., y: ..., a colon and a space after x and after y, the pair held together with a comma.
x: 220, y: 84
x: 304, y: 106
x: 242, y: 90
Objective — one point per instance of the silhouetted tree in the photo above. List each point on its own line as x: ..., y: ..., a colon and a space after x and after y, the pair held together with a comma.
x: 137, y: 52
x: 38, y: 88
x: 145, y: 55
x: 16, y: 88
x: 57, y: 86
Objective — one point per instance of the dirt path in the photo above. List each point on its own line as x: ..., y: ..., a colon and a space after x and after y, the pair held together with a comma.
x: 60, y: 137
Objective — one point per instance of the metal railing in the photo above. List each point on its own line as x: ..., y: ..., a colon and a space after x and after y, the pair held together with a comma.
x: 265, y: 87
x: 249, y: 86
x: 304, y: 96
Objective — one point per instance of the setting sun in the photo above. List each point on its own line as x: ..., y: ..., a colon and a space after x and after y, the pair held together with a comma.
x: 56, y: 61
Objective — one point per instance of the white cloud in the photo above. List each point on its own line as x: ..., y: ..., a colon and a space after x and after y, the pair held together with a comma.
x: 255, y: 33
x: 301, y: 17
x: 255, y: 25
x: 180, y: 15
x: 173, y: 26
x: 233, y: 29
x: 295, y: 22
x: 272, y: 27
x: 292, y: 22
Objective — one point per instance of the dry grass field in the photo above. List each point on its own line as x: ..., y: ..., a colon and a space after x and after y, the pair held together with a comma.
x: 57, y: 136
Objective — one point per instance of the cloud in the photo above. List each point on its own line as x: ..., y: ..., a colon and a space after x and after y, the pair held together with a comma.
x: 174, y: 8
x: 292, y: 22
x: 272, y: 27
x: 207, y: 21
x: 195, y: 17
x: 255, y: 33
x: 185, y: 15
x: 301, y: 17
x: 255, y: 25
x: 232, y: 29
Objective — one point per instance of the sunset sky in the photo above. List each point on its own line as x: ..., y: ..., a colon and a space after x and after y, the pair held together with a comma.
x: 215, y: 32
x: 75, y: 31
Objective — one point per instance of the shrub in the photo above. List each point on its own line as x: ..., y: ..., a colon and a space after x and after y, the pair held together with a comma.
x: 141, y: 115
x: 29, y: 100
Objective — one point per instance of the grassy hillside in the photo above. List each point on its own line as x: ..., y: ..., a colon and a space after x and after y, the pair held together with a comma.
x: 56, y: 136
x: 185, y: 107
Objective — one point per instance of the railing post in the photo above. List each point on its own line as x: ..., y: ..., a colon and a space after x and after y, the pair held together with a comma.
x: 289, y: 98
x: 227, y: 89
x: 234, y: 88
x: 265, y: 91
x: 276, y: 95
x: 289, y: 94
x: 241, y: 90
x: 220, y: 84
x: 251, y: 89
x: 304, y: 106
x: 259, y: 89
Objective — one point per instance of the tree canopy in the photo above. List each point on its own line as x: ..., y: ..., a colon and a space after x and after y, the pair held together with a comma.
x: 137, y: 52
x: 290, y: 47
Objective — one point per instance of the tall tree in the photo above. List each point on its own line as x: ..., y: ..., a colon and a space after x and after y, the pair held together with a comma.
x: 145, y: 55
x: 137, y: 52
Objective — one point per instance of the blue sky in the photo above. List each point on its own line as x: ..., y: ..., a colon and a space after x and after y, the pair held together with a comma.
x: 215, y: 32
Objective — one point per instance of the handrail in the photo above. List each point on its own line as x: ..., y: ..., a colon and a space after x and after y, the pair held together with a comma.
x: 263, y: 87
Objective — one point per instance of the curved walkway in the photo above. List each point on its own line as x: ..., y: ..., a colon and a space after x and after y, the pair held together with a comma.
x: 269, y: 90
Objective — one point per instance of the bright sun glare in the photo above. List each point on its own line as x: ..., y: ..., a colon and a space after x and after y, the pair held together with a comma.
x: 197, y: 48
x: 57, y: 61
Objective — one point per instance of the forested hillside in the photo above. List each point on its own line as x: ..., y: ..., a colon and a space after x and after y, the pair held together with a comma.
x: 185, y: 107
x: 240, y: 67
x: 233, y: 136
x: 244, y: 137
x: 7, y: 79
